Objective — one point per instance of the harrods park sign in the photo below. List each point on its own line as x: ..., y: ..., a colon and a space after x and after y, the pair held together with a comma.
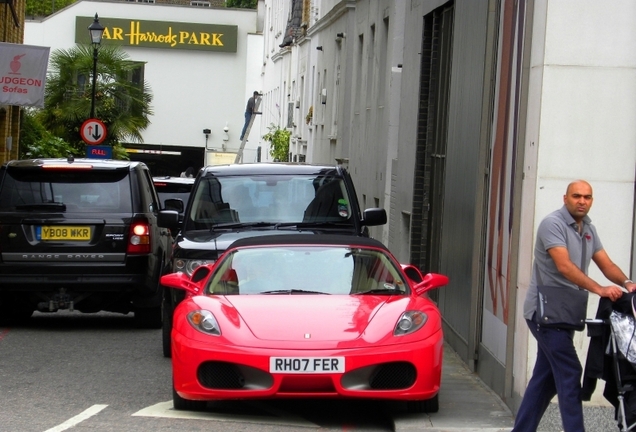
x: 161, y: 34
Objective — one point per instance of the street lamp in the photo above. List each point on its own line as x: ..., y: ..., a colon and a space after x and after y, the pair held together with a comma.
x: 96, y: 30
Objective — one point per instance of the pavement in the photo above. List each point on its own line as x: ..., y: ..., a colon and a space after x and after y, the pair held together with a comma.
x: 467, y: 404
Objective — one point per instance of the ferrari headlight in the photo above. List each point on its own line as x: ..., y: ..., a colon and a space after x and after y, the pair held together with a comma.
x: 189, y: 266
x: 409, y: 322
x: 204, y: 321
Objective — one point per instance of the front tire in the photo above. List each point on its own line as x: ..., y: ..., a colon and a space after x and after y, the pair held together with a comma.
x: 182, y: 404
x: 424, y: 406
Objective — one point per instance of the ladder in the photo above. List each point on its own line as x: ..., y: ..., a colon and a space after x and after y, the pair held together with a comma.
x: 239, y: 154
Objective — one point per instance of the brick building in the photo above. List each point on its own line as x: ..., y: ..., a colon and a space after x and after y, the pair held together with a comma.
x: 11, y: 31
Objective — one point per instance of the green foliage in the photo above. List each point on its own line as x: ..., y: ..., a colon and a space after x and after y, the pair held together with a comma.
x: 243, y: 4
x: 278, y: 143
x: 42, y: 8
x: 123, y: 105
x: 36, y: 141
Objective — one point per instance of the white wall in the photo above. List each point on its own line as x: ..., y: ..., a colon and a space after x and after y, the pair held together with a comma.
x: 193, y: 90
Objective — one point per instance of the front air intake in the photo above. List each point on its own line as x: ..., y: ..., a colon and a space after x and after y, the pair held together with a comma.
x: 393, y: 376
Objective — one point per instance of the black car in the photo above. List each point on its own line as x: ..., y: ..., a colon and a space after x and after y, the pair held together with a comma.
x: 229, y: 202
x: 81, y: 235
x: 174, y: 193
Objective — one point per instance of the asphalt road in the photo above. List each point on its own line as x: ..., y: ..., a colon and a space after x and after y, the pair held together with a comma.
x: 97, y: 372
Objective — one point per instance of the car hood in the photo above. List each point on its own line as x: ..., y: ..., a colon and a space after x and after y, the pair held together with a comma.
x: 307, y: 321
x: 300, y: 317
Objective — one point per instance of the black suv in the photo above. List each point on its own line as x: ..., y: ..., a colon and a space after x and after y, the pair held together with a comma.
x: 81, y: 235
x: 229, y: 202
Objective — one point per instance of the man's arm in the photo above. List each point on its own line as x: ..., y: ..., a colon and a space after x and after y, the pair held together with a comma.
x: 571, y: 272
x: 611, y: 270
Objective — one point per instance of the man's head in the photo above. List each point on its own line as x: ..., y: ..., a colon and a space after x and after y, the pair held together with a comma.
x: 578, y: 199
x: 256, y: 94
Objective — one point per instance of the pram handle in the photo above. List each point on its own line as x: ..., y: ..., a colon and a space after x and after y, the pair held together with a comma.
x: 596, y: 321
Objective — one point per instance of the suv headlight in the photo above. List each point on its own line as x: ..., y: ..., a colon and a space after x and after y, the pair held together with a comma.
x: 188, y: 266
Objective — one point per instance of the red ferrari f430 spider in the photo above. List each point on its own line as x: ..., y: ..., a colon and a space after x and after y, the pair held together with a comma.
x: 306, y: 316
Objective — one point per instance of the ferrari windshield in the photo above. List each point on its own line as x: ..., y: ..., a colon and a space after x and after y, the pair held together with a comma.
x: 230, y: 201
x: 292, y: 270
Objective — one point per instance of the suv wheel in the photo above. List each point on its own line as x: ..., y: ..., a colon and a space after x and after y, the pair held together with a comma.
x: 149, y: 318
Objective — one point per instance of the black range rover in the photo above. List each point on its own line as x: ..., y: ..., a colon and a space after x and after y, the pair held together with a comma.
x: 229, y: 202
x: 81, y: 235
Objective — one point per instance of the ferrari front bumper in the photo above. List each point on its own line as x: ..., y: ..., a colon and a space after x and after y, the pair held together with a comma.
x: 408, y: 371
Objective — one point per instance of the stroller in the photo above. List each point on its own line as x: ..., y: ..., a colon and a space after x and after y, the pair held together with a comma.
x: 612, y: 357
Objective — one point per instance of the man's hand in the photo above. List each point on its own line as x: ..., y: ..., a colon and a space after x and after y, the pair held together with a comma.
x: 612, y: 292
x: 631, y: 287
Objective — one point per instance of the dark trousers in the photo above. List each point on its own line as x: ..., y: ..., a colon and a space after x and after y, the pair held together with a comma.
x: 248, y: 117
x: 556, y: 372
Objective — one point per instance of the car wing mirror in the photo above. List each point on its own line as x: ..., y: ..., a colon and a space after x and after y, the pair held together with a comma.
x: 168, y: 219
x: 181, y: 281
x: 374, y: 217
x: 173, y: 204
x: 430, y: 281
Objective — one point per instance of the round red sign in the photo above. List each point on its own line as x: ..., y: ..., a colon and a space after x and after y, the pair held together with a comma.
x: 93, y: 131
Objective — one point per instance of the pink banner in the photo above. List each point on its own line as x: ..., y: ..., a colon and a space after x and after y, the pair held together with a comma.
x: 22, y: 74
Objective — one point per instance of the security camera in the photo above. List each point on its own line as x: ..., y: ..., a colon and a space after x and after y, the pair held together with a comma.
x: 225, y: 129
x: 207, y: 131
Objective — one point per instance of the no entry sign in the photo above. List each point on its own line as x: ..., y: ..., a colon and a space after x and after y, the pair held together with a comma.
x: 93, y: 131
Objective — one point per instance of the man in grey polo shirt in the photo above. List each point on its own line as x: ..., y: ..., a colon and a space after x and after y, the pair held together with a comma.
x: 566, y: 241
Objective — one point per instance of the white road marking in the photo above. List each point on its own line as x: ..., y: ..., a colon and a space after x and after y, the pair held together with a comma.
x: 73, y: 421
x: 166, y: 410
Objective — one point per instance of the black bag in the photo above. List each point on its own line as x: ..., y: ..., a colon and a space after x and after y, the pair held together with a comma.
x: 561, y: 307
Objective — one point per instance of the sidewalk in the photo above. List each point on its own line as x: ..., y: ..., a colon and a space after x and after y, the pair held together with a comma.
x: 466, y: 404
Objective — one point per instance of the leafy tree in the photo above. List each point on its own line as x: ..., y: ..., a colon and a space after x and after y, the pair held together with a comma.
x: 36, y: 141
x: 243, y: 4
x: 122, y: 98
x: 278, y: 143
x: 40, y: 8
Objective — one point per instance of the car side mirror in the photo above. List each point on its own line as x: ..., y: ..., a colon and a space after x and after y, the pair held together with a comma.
x: 431, y: 281
x: 374, y: 216
x: 183, y: 282
x: 168, y: 219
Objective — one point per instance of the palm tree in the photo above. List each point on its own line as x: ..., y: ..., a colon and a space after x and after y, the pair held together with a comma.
x: 122, y: 99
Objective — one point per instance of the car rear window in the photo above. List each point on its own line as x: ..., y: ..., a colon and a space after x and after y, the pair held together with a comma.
x: 173, y: 191
x: 271, y: 199
x: 90, y: 191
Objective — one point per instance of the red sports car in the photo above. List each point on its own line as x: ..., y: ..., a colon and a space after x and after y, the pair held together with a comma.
x: 302, y: 315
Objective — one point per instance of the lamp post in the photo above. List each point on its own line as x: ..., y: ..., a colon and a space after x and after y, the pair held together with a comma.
x: 96, y: 30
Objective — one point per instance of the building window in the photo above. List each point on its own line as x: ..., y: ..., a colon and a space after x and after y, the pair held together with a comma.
x: 200, y: 3
x: 141, y: 1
